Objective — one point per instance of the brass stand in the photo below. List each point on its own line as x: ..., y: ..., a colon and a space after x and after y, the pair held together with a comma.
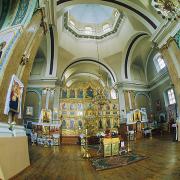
x: 86, y: 153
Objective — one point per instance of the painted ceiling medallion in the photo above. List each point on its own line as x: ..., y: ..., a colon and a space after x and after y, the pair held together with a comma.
x: 169, y: 9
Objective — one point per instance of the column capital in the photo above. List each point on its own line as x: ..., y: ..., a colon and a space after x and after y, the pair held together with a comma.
x: 166, y: 46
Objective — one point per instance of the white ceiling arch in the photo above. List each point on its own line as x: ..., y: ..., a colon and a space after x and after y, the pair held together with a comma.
x: 83, y: 77
x: 98, y: 64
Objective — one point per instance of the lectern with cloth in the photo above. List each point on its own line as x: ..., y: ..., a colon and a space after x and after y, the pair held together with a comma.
x: 111, y: 146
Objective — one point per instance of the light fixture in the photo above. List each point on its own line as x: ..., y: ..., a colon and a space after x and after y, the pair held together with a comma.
x: 100, y: 98
x: 169, y: 9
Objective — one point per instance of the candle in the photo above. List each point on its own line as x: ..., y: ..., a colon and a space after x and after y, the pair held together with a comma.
x: 86, y: 131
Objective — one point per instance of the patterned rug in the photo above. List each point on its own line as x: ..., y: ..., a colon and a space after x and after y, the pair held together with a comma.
x: 103, y: 163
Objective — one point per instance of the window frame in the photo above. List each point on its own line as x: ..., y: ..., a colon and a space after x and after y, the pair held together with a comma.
x: 171, y: 96
x: 158, y: 61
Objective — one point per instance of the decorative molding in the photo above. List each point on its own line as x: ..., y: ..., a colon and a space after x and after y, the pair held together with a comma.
x: 136, y: 11
x: 137, y: 86
x: 113, y: 31
x: 24, y: 60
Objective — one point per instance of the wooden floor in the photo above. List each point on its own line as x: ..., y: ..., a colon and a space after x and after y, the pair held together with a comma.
x: 66, y: 163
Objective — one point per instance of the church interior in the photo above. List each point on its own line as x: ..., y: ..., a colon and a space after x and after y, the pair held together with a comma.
x: 90, y: 89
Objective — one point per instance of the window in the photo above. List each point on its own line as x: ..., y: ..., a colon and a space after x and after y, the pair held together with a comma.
x: 106, y: 28
x: 113, y: 94
x: 72, y: 23
x: 159, y: 62
x: 88, y: 30
x: 116, y: 14
x: 171, y: 96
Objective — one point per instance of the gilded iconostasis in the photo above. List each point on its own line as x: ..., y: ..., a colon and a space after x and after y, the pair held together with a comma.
x: 87, y: 105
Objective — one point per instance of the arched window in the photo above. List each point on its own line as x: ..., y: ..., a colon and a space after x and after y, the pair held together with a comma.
x: 159, y: 62
x: 113, y: 94
x: 171, y: 96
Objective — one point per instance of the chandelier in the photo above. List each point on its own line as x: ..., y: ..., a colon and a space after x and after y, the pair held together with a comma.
x: 100, y: 98
x: 169, y: 9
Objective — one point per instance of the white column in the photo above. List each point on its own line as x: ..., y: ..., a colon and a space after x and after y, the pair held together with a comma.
x: 129, y: 98
x: 56, y: 101
x: 47, y: 98
x: 122, y: 106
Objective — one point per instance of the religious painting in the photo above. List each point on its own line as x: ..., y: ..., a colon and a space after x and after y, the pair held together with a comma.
x: 64, y: 93
x: 46, y: 115
x: 115, y: 123
x: 71, y: 124
x: 100, y: 126
x: 108, y: 107
x: 89, y: 92
x: 80, y: 93
x: 137, y: 115
x: 114, y: 107
x: 6, y: 40
x: 80, y: 106
x: 63, y: 124
x: 14, y: 97
x: 72, y: 106
x: 80, y: 124
x: 107, y: 112
x: 72, y: 93
x: 64, y: 106
x: 100, y: 113
x: 108, y: 123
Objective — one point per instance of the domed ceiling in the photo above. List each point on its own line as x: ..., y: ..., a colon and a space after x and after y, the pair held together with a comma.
x: 91, y: 13
x: 92, y: 20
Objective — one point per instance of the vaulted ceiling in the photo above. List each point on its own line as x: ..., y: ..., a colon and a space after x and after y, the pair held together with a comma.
x: 83, y: 47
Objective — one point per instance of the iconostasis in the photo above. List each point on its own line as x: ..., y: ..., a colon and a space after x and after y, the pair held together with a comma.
x: 79, y: 109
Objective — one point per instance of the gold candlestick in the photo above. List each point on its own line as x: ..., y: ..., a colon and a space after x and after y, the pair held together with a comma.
x: 86, y: 153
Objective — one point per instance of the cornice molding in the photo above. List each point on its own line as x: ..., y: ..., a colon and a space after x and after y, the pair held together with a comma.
x: 138, y: 86
x: 165, y: 34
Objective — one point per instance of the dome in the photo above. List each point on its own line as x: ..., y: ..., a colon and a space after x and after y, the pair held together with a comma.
x: 92, y: 20
x: 91, y: 13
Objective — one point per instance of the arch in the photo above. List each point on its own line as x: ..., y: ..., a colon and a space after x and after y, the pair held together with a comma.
x: 39, y: 97
x: 111, y: 73
x: 86, y: 74
x: 127, y: 6
x: 144, y: 94
x: 129, y: 51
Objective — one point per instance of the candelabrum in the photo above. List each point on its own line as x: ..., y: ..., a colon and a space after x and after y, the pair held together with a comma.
x: 86, y: 153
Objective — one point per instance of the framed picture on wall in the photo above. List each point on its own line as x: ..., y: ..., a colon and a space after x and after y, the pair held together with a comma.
x: 46, y: 115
